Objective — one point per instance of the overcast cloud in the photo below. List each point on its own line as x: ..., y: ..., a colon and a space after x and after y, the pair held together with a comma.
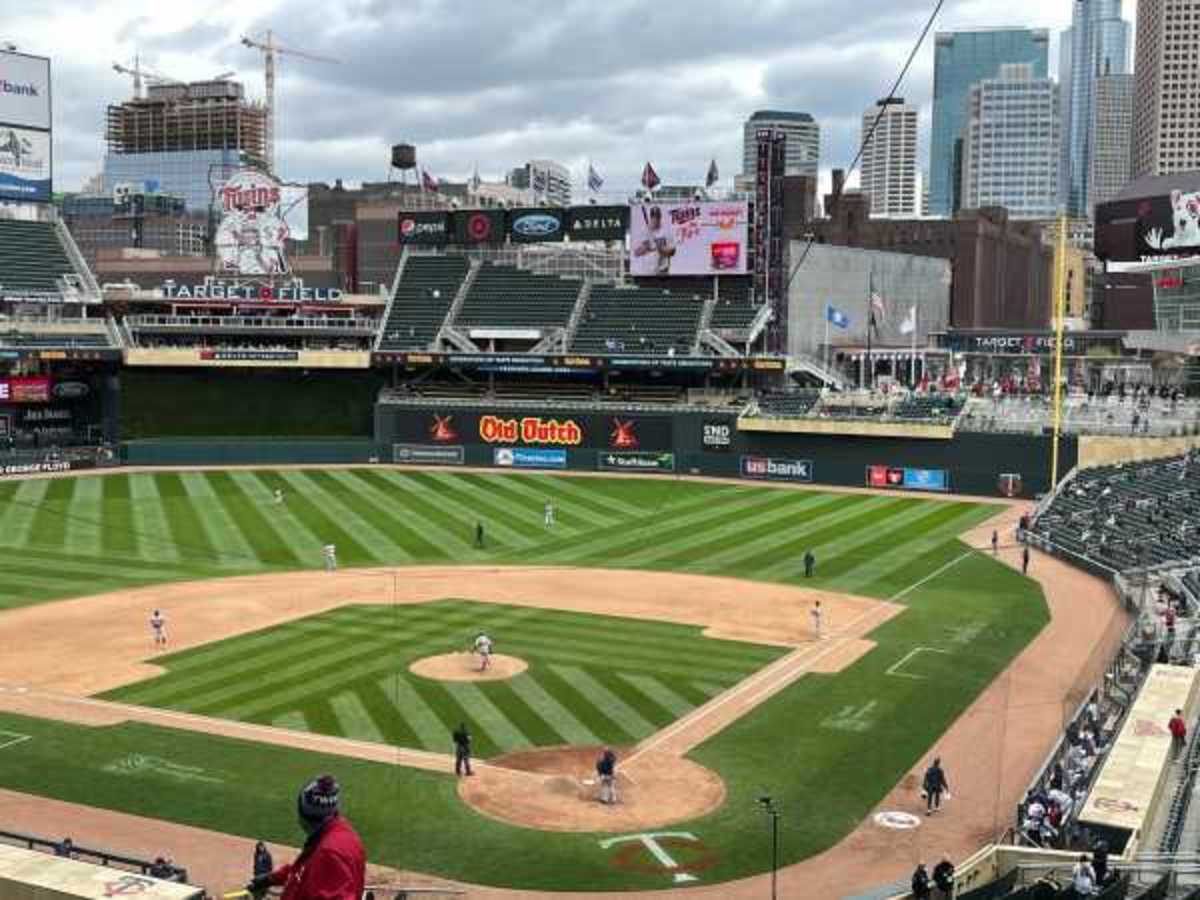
x: 473, y: 82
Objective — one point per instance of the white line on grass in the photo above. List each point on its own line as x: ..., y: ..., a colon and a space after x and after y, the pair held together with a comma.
x: 16, y: 738
x: 891, y: 670
x: 932, y: 575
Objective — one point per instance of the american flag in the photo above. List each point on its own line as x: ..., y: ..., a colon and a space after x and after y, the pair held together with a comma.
x: 595, y: 182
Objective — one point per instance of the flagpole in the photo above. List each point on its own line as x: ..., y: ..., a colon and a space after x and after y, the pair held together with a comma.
x: 827, y: 337
x: 868, y: 376
x: 912, y: 361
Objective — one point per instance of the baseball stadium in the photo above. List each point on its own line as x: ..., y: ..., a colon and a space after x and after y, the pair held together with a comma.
x: 562, y: 550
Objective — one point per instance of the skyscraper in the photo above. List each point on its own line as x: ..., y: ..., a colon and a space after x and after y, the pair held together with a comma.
x: 803, y: 140
x: 1166, y: 88
x: 889, y: 162
x: 1111, y: 145
x: 1096, y: 44
x: 549, y: 181
x: 1011, y: 144
x: 962, y: 58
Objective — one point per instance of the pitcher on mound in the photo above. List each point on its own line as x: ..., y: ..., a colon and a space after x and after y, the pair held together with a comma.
x: 483, y: 646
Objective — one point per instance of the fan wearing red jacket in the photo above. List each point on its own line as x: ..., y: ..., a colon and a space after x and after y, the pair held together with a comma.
x: 332, y: 865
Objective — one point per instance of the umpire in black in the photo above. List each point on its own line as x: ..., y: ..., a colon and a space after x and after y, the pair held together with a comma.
x: 462, y: 750
x: 935, y: 783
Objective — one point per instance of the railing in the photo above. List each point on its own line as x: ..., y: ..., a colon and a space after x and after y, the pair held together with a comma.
x: 254, y: 323
x: 169, y: 871
x: 90, y: 285
x: 456, y: 305
x: 581, y: 302
x: 387, y: 310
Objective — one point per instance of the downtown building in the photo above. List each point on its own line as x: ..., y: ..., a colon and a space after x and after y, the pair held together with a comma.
x: 1111, y: 167
x: 183, y: 140
x: 888, y: 172
x: 961, y: 59
x: 547, y: 181
x: 1095, y: 46
x: 802, y: 152
x: 1011, y: 139
x: 1166, y: 103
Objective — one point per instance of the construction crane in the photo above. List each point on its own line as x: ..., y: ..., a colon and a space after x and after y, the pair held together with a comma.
x: 267, y: 46
x: 140, y: 73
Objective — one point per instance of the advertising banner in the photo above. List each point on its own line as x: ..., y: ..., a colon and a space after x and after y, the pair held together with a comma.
x: 253, y: 231
x: 479, y: 226
x: 597, y: 223
x: 635, y: 461
x: 902, y: 478
x: 513, y: 428
x: 716, y: 435
x: 24, y: 390
x: 24, y: 90
x: 530, y: 458
x: 1159, y: 225
x: 531, y: 226
x: 764, y: 468
x: 427, y: 455
x: 43, y: 468
x: 424, y: 228
x: 250, y: 355
x: 705, y: 238
x: 24, y: 164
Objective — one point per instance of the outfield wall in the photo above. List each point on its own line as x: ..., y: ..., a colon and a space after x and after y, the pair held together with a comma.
x: 697, y: 443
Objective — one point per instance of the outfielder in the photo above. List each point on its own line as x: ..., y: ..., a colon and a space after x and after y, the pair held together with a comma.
x: 278, y: 496
x: 483, y: 646
x: 548, y: 516
x: 330, y: 552
x: 815, y: 615
x: 158, y: 625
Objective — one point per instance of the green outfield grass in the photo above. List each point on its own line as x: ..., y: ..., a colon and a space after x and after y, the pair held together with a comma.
x: 827, y: 748
x: 591, y: 679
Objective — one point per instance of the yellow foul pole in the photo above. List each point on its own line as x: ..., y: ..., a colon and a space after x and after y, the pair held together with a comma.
x: 1060, y: 314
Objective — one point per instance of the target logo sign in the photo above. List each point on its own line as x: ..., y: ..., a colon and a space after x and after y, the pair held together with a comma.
x: 479, y: 227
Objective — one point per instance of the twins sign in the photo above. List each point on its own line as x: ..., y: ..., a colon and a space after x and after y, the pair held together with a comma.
x: 251, y: 237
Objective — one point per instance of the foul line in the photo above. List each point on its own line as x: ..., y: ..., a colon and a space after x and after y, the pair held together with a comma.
x: 891, y: 670
x: 932, y: 575
x: 17, y: 738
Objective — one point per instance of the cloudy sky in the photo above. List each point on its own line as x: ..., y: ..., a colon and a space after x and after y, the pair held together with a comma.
x: 479, y: 82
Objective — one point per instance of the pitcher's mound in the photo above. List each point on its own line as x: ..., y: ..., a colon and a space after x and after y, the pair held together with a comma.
x: 465, y: 667
x: 555, y: 789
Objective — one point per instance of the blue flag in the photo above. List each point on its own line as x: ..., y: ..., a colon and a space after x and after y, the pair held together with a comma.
x: 595, y: 182
x: 836, y: 317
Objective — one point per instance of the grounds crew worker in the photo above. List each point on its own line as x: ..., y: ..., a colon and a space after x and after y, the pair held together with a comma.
x: 332, y: 865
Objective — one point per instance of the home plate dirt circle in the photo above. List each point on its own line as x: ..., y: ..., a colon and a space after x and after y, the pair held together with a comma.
x: 465, y: 667
x: 555, y: 789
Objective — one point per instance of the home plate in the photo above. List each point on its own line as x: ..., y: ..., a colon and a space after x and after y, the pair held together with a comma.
x: 588, y: 782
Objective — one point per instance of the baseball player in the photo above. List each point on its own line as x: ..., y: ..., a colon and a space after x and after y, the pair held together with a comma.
x: 606, y: 771
x: 330, y: 551
x: 815, y: 615
x: 483, y: 646
x: 548, y: 515
x: 158, y: 625
x: 278, y: 496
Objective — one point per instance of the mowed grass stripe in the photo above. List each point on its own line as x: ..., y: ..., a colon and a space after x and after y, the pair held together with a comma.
x: 896, y: 536
x: 568, y: 515
x: 150, y: 520
x: 230, y: 546
x: 532, y: 722
x: 267, y: 544
x: 587, y: 710
x: 637, y: 700
x: 567, y: 651
x: 449, y: 713
x: 85, y: 532
x: 587, y: 502
x: 766, y: 519
x: 435, y: 522
x: 382, y: 511
x: 20, y: 502
x: 118, y: 534
x: 353, y: 718
x: 385, y: 713
x: 320, y: 717
x: 184, y: 527
x: 668, y: 696
x: 540, y: 703
x: 50, y: 521
x: 478, y: 504
x: 614, y: 707
x: 355, y: 515
x: 486, y: 716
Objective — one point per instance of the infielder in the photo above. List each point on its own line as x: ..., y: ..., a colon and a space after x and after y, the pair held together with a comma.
x: 548, y: 515
x: 483, y: 646
x: 158, y: 625
x: 330, y: 551
x: 815, y: 615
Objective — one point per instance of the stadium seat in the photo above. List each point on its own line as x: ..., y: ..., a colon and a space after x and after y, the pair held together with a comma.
x: 423, y: 297
x: 638, y: 320
x: 31, y: 257
x: 508, y: 297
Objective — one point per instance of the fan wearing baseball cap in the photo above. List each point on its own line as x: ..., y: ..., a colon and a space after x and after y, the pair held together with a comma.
x: 332, y: 865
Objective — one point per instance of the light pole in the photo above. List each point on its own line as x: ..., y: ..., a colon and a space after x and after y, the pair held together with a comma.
x: 769, y: 808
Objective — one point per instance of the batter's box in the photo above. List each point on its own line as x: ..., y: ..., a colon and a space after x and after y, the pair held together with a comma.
x: 12, y: 738
x: 906, y: 662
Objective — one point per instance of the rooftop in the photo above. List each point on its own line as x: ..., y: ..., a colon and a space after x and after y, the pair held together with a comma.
x: 780, y: 115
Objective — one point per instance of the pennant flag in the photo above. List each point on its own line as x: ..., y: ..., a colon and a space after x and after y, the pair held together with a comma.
x: 650, y: 178
x: 475, y: 179
x: 836, y: 317
x: 428, y: 182
x: 713, y: 174
x: 540, y: 180
x: 595, y: 182
x: 909, y: 325
x: 878, y: 309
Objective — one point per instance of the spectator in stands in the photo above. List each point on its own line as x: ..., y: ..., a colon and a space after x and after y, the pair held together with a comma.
x: 1062, y: 800
x: 1025, y: 560
x: 65, y: 848
x: 921, y: 888
x: 263, y: 863
x: 161, y: 868
x: 1178, y: 729
x: 943, y: 877
x: 1100, y: 862
x: 1083, y: 877
x: 332, y: 865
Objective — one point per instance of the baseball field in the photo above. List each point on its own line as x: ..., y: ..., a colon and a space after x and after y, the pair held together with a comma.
x: 667, y: 618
